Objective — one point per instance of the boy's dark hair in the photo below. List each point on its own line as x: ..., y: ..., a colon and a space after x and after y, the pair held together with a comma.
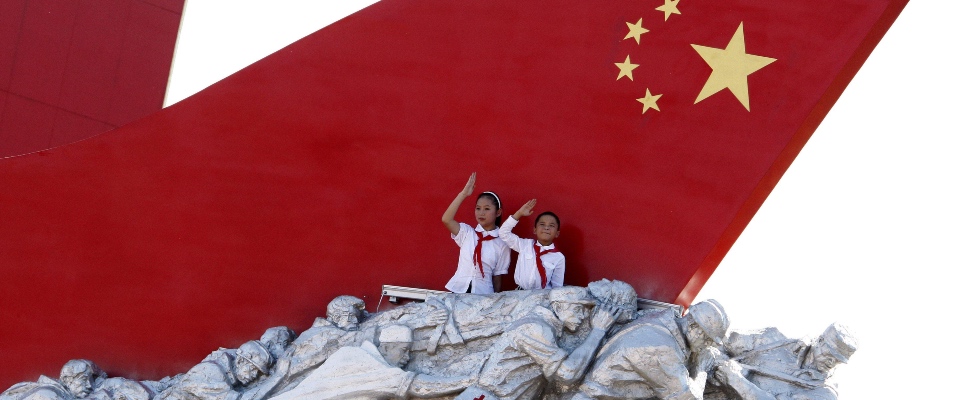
x: 496, y: 200
x: 537, y: 221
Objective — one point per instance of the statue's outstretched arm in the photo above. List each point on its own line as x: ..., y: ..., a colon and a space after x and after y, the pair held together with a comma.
x: 575, y: 366
x: 429, y: 386
x: 730, y: 374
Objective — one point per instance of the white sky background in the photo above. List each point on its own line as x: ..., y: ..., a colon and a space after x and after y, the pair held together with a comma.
x: 862, y: 229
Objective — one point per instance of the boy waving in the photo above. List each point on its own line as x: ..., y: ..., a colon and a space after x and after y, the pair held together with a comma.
x: 539, y: 264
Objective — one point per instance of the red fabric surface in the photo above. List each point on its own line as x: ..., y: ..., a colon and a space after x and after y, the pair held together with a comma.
x: 100, y: 30
x: 11, y: 13
x: 106, y: 61
x: 256, y: 201
x: 42, y: 49
x: 34, y: 120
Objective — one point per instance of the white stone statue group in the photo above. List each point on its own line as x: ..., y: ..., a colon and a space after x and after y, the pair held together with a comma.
x: 565, y: 343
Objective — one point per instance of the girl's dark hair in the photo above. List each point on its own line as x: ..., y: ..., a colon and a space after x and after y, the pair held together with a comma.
x: 550, y: 214
x: 496, y: 200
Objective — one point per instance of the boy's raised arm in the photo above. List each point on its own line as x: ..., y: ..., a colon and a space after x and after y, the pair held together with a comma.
x: 506, y: 234
x: 526, y: 210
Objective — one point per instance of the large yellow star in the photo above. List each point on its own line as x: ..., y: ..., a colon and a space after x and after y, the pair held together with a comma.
x: 626, y: 69
x: 669, y: 7
x: 730, y: 68
x: 649, y: 101
x: 636, y: 30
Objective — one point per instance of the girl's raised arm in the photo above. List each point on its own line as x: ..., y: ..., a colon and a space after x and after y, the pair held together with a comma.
x: 447, y: 219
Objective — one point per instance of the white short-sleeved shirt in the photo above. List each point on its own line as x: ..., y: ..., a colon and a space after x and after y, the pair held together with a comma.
x: 494, y: 258
x: 526, y: 274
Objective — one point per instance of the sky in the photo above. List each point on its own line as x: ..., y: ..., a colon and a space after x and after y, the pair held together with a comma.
x: 862, y: 228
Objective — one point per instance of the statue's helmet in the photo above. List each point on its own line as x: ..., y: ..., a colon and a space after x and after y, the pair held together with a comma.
x: 277, y: 339
x: 571, y: 295
x: 279, y: 334
x: 618, y: 294
x: 838, y: 339
x: 396, y: 333
x: 711, y: 317
x: 257, y: 354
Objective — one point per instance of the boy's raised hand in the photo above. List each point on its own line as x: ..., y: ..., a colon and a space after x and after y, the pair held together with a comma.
x: 526, y: 210
x: 468, y: 189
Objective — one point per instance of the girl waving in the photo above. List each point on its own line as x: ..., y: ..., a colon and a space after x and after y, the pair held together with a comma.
x: 483, y: 256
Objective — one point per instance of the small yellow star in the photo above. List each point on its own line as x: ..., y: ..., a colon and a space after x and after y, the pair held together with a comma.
x: 650, y: 101
x: 626, y: 69
x: 730, y: 68
x: 635, y: 31
x: 669, y: 7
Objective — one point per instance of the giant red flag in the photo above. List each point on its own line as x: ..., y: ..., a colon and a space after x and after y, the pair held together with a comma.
x: 654, y: 129
x: 70, y: 69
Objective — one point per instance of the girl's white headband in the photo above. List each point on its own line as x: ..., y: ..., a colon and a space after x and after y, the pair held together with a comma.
x: 494, y: 196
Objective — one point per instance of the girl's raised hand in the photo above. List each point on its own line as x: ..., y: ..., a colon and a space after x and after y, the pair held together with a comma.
x: 468, y: 189
x: 452, y: 225
x: 526, y: 210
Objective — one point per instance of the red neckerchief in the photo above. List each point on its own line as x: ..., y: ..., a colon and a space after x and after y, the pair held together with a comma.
x: 540, y: 268
x: 476, y: 250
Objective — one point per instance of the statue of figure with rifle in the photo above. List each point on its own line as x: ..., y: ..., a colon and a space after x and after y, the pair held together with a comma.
x: 767, y: 365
